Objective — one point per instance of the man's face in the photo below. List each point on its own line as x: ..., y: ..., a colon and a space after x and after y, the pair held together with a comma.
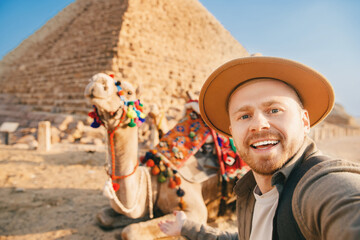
x: 267, y: 124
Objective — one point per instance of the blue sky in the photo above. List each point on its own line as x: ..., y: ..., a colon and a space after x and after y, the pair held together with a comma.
x: 324, y: 34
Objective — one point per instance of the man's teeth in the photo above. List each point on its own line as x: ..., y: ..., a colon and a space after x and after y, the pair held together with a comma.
x: 264, y: 143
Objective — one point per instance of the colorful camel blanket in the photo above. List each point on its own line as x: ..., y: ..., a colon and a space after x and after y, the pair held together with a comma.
x: 190, y: 135
x: 185, y: 139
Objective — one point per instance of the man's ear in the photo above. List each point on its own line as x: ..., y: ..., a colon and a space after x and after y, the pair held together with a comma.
x: 230, y: 128
x: 306, y: 121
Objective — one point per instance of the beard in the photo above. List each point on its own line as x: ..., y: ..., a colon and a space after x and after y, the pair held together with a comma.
x: 268, y: 164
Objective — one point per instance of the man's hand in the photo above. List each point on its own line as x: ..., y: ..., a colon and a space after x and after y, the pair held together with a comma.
x: 173, y: 228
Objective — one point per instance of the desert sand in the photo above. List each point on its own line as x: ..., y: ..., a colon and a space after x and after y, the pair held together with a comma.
x: 56, y: 194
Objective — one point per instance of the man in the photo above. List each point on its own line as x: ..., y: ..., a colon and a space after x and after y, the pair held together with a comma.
x: 292, y: 191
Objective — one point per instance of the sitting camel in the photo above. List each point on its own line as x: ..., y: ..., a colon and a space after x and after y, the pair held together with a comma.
x: 135, y: 193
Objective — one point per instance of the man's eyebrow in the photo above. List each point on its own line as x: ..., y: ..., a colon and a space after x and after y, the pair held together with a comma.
x: 247, y: 108
x: 271, y: 102
x: 243, y: 109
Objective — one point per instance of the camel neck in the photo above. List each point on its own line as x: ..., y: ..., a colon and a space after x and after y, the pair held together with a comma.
x: 125, y: 150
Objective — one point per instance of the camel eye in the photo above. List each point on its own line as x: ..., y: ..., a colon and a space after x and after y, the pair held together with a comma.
x: 129, y: 93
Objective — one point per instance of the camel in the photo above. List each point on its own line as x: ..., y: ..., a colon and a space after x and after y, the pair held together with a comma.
x: 139, y: 193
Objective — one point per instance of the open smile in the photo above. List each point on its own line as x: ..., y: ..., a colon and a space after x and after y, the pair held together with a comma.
x: 264, y: 144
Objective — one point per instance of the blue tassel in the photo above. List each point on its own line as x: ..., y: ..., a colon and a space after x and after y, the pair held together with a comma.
x: 95, y: 124
x: 219, y: 141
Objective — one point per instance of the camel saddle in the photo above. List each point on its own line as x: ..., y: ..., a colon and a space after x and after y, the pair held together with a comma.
x: 197, y: 152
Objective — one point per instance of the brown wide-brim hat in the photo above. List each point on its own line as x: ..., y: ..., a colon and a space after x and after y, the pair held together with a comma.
x: 314, y: 90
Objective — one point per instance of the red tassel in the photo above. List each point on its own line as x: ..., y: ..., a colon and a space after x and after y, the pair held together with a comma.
x: 172, y: 184
x: 92, y: 114
x: 116, y: 186
x: 150, y: 163
x: 177, y: 180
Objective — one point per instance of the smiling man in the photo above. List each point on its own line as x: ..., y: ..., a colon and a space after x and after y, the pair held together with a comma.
x: 267, y: 105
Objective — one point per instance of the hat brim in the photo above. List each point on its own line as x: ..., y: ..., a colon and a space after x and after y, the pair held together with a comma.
x: 315, y: 91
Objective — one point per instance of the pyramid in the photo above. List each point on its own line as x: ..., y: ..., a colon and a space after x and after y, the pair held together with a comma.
x: 166, y: 47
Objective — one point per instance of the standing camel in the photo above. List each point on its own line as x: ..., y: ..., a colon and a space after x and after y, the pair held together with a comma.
x: 133, y: 192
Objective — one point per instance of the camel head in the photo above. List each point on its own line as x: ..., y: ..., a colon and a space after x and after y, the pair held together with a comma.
x: 110, y: 99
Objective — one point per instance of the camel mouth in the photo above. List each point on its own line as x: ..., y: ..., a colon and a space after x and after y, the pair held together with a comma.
x: 117, y: 111
x: 91, y: 97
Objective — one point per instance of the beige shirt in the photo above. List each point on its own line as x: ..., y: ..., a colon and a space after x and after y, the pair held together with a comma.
x: 264, y: 212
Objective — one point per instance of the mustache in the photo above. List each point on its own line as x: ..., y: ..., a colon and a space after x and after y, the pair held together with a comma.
x: 263, y: 135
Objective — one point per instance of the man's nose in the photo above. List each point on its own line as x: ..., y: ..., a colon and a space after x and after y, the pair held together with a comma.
x: 259, y: 122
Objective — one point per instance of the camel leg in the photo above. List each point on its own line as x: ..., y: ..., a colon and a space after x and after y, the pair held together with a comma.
x: 108, y: 219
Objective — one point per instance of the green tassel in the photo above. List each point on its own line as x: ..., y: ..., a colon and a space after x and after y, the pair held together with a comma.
x: 131, y: 123
x: 232, y: 145
x: 161, y: 178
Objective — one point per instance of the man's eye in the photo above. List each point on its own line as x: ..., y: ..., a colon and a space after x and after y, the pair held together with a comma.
x: 274, y: 110
x: 244, y: 117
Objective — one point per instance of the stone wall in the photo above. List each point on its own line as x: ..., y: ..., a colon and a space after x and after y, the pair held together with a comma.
x: 330, y: 131
x: 167, y: 47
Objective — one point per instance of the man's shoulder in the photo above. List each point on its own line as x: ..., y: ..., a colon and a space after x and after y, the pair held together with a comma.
x: 326, y: 175
x: 327, y: 164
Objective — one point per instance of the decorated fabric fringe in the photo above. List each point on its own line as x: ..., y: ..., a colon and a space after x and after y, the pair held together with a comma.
x: 135, y: 113
x: 224, y: 193
x: 158, y: 167
x: 183, y: 141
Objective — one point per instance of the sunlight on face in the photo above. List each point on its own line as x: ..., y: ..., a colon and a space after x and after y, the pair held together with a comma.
x: 267, y: 124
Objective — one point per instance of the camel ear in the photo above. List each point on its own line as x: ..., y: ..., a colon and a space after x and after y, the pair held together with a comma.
x: 138, y: 91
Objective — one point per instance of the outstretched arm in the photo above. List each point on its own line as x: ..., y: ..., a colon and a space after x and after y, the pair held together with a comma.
x: 183, y: 226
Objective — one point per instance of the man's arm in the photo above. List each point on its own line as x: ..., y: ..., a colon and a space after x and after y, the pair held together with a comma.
x: 193, y: 231
x: 196, y: 231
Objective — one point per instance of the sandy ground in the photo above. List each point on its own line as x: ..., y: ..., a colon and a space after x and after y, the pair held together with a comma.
x: 55, y: 195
